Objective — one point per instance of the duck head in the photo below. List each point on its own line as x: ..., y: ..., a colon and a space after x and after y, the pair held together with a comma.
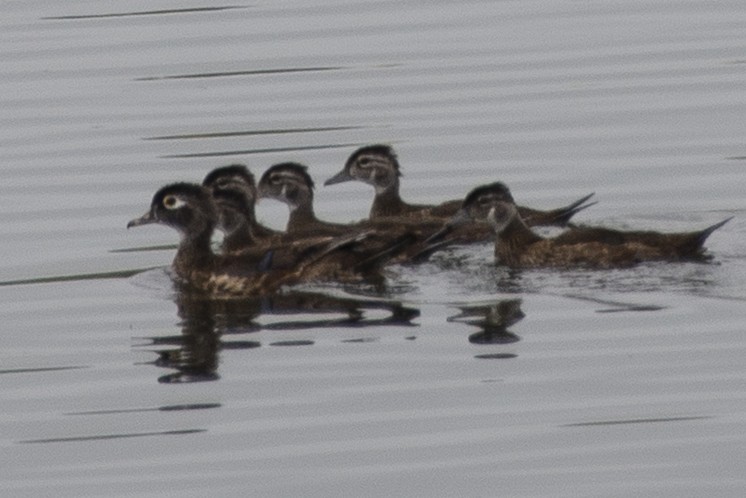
x: 375, y: 165
x: 289, y: 183
x: 186, y: 207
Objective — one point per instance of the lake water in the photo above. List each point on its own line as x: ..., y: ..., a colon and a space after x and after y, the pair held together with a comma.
x: 610, y: 383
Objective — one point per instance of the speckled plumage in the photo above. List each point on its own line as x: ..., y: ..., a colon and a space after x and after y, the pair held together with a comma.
x: 257, y: 270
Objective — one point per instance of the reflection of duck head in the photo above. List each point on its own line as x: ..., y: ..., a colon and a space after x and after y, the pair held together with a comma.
x: 494, y: 320
x: 503, y: 314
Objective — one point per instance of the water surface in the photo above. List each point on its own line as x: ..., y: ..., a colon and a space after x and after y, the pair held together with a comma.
x: 461, y: 378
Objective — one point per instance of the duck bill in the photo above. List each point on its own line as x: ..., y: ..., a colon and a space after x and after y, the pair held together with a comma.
x: 145, y: 219
x: 460, y: 218
x: 341, y: 177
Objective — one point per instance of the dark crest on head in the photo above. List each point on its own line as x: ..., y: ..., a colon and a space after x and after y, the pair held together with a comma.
x: 376, y: 149
x: 292, y: 168
x: 227, y: 171
x: 498, y: 190
x: 181, y: 188
x: 233, y: 198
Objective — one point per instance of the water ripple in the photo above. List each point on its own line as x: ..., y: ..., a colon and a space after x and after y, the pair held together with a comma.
x: 259, y: 151
x: 193, y: 10
x: 104, y: 437
x: 226, y: 134
x: 248, y: 72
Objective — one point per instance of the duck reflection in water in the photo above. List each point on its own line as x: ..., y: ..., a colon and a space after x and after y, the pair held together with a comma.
x: 494, y: 320
x: 209, y: 326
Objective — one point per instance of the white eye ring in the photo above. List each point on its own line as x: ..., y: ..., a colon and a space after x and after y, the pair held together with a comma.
x: 173, y: 202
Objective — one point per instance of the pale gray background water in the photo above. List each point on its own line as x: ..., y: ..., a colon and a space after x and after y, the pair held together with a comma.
x: 621, y: 383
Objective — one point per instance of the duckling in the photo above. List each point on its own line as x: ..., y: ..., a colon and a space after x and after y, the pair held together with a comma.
x: 191, y: 210
x: 377, y: 165
x: 237, y: 218
x: 290, y: 183
x: 518, y: 246
x: 236, y: 221
x: 234, y: 192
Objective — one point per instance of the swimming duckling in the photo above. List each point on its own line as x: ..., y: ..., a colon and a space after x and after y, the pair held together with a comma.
x: 234, y: 190
x: 191, y: 210
x: 377, y: 165
x: 291, y: 184
x: 517, y: 245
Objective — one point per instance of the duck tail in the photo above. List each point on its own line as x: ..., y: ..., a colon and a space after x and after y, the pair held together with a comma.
x: 702, y: 235
x: 562, y: 215
x: 690, y: 244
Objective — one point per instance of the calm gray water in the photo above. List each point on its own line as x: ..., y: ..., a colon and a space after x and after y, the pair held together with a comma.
x: 612, y: 383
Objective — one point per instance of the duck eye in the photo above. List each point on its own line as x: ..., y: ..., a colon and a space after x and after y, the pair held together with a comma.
x: 172, y: 202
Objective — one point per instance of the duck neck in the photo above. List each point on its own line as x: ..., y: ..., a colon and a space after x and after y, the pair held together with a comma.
x: 513, y: 240
x: 387, y: 201
x: 240, y: 238
x: 301, y: 217
x: 238, y: 228
x: 194, y: 253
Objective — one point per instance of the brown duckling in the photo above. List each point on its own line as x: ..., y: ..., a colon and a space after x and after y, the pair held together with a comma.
x: 191, y: 210
x: 237, y: 218
x: 234, y: 192
x: 238, y: 225
x: 290, y: 183
x: 377, y: 165
x: 517, y: 245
